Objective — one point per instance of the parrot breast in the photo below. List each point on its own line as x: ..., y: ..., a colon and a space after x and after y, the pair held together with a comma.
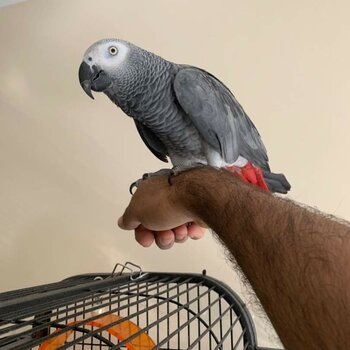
x: 147, y: 96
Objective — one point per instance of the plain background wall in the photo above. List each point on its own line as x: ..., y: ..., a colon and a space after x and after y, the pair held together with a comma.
x: 67, y: 161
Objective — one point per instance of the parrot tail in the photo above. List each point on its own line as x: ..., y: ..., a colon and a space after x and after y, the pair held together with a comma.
x: 264, y: 179
x: 276, y: 182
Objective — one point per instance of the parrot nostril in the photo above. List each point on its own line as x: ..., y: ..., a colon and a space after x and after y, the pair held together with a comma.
x: 90, y: 59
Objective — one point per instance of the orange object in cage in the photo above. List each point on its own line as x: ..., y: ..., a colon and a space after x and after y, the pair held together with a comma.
x: 121, y: 331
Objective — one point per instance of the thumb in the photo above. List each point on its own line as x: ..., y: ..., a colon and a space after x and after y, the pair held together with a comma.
x: 127, y: 221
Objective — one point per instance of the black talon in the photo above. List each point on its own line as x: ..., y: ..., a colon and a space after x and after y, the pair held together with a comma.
x: 132, y: 186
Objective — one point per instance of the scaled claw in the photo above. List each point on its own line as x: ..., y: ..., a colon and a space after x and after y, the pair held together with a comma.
x: 132, y: 186
x: 136, y: 183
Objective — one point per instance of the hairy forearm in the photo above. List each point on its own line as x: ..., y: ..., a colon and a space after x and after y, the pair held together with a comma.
x: 296, y: 260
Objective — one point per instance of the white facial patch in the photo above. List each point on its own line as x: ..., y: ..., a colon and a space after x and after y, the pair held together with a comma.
x: 99, y: 54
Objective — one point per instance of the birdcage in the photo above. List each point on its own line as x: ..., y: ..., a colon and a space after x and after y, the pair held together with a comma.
x: 127, y: 309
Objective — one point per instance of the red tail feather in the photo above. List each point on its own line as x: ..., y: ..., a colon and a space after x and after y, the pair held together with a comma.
x: 250, y: 174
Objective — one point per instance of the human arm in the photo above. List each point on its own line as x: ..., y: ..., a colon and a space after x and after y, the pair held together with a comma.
x: 296, y: 260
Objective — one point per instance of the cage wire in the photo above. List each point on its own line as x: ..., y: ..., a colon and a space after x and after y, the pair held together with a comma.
x: 127, y: 309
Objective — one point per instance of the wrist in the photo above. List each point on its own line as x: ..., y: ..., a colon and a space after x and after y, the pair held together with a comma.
x: 209, y: 194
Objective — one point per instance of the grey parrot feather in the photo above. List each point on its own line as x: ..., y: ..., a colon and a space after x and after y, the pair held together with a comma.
x: 181, y: 112
x: 218, y: 116
x: 152, y: 141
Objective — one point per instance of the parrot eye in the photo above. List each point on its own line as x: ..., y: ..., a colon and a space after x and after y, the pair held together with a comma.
x: 113, y: 50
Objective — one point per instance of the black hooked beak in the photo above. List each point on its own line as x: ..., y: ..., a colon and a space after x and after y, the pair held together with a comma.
x: 86, y: 76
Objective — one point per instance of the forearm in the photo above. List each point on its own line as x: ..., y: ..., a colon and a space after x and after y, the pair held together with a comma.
x: 297, y: 261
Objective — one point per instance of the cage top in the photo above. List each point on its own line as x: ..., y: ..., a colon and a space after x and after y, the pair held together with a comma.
x: 151, y: 302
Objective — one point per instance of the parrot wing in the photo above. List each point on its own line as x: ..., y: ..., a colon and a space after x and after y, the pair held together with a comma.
x: 152, y: 141
x: 218, y: 116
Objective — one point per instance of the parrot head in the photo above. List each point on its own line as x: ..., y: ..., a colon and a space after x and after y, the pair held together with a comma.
x: 103, y: 63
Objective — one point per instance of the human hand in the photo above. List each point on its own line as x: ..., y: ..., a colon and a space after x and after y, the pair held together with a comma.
x: 156, y: 214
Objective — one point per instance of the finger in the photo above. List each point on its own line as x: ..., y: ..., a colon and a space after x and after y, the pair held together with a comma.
x: 144, y: 236
x: 180, y: 233
x: 165, y: 239
x: 128, y: 221
x: 195, y: 231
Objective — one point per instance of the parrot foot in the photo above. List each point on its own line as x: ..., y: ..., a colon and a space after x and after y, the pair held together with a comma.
x: 134, y: 185
x: 249, y: 173
x: 176, y: 170
x: 161, y: 172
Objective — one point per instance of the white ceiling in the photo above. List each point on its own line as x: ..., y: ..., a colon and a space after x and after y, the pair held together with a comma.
x: 9, y: 2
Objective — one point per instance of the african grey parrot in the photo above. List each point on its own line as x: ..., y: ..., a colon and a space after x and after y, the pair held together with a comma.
x: 180, y: 111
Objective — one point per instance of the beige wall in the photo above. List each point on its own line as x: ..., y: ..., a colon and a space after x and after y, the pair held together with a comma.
x: 67, y: 161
